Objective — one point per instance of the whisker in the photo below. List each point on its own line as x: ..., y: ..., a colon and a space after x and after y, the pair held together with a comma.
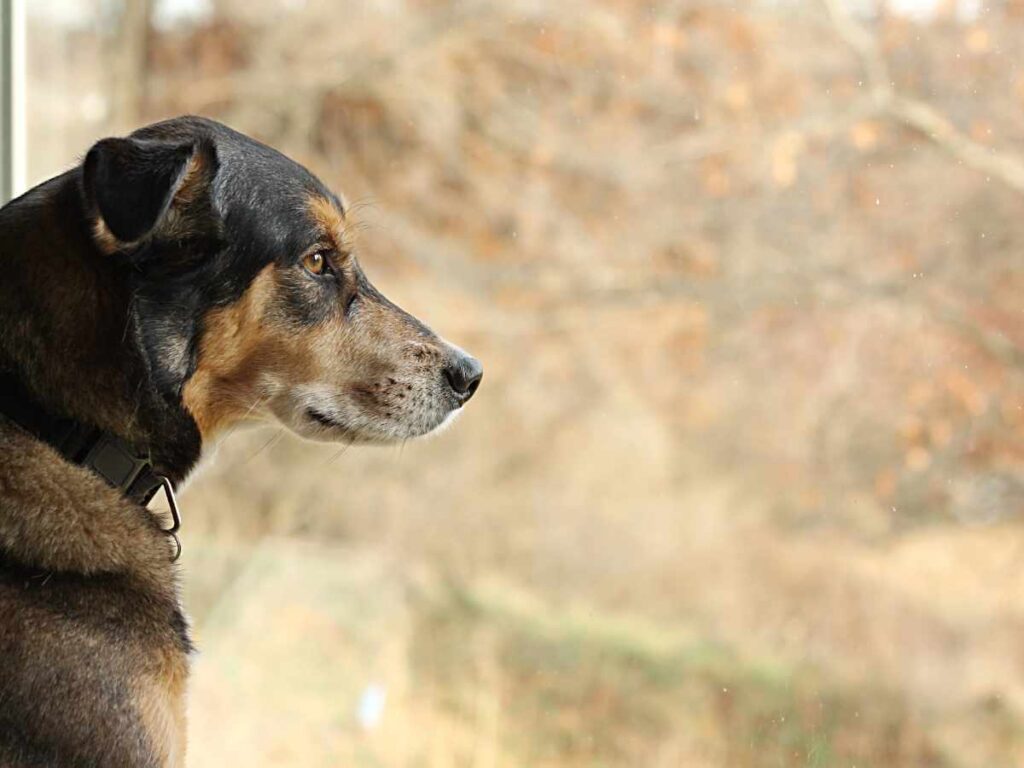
x: 255, y: 404
x: 272, y: 441
x: 338, y: 453
x: 363, y: 202
x: 128, y: 317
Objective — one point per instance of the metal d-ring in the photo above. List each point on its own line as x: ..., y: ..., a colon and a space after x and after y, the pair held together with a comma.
x: 172, y: 503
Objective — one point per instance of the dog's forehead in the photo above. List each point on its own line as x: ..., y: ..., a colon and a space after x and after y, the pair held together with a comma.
x: 254, y: 174
x: 250, y: 173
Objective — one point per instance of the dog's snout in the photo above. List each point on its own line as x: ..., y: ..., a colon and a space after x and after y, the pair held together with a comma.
x: 463, y: 374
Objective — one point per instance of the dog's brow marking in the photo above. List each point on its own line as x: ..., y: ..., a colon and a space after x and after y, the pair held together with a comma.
x: 326, y: 214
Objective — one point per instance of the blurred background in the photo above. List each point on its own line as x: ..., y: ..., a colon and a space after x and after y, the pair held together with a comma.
x: 744, y: 482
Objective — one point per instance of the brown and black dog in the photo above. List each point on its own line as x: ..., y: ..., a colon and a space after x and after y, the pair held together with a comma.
x: 178, y: 281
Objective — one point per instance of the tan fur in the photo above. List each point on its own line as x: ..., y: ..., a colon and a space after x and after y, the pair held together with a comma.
x: 244, y: 348
x: 104, y: 238
x: 333, y: 223
x: 161, y: 701
x: 225, y: 384
x: 248, y: 354
x: 195, y: 181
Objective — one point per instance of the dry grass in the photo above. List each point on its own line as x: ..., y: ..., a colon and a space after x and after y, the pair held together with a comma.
x: 489, y: 675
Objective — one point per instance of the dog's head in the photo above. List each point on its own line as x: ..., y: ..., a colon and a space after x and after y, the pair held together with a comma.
x: 247, y: 297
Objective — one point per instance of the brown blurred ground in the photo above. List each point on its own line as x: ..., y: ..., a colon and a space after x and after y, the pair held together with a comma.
x: 743, y: 484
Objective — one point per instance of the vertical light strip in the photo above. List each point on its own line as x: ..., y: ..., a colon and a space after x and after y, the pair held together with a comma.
x: 13, y: 148
x: 6, y: 101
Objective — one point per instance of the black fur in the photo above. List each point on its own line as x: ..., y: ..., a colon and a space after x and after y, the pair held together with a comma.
x: 133, y: 181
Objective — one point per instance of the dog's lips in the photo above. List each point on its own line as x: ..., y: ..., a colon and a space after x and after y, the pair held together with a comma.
x: 330, y: 418
x: 323, y: 419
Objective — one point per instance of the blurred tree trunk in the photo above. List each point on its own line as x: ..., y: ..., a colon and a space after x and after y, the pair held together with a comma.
x: 128, y: 57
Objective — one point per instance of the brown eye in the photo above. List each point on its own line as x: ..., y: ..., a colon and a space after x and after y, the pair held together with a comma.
x: 315, y: 263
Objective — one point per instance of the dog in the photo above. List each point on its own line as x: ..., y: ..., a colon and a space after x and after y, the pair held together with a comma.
x: 177, y: 282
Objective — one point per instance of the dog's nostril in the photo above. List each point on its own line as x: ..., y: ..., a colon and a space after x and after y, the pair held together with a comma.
x: 473, y: 384
x: 463, y: 375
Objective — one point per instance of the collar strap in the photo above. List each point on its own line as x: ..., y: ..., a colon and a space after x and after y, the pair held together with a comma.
x: 115, y: 460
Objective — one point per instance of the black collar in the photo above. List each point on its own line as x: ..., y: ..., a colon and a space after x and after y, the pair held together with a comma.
x: 122, y: 465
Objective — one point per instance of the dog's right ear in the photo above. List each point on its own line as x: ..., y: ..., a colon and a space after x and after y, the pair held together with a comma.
x: 139, y: 188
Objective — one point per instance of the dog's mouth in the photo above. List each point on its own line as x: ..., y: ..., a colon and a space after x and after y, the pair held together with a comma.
x: 323, y: 419
x: 342, y: 424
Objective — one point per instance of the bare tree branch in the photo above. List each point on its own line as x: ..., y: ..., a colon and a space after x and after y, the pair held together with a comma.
x: 919, y: 115
x: 915, y: 114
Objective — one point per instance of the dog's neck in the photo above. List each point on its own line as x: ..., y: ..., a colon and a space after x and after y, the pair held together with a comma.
x: 66, y: 329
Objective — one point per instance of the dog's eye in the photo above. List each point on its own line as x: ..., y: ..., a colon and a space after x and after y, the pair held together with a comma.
x: 316, y: 263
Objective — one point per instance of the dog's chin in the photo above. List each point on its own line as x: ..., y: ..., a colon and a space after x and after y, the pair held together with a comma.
x: 325, y: 424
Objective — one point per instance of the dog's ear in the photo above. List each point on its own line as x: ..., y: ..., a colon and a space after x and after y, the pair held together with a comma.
x: 132, y: 185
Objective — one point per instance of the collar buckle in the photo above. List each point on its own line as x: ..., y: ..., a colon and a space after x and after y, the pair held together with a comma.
x: 172, y: 504
x: 117, y: 462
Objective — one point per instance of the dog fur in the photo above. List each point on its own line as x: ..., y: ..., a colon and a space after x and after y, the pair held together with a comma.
x: 178, y: 281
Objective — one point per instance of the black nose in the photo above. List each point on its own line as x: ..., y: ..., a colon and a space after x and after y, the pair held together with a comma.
x: 463, y: 374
